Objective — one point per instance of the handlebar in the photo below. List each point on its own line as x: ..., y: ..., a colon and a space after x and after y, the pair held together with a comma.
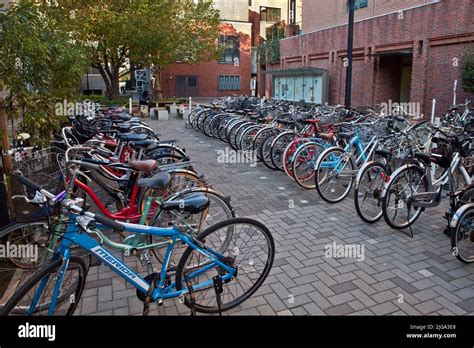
x: 117, y: 226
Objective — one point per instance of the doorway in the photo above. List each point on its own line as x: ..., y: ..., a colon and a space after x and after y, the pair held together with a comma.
x: 187, y: 86
x: 394, y: 77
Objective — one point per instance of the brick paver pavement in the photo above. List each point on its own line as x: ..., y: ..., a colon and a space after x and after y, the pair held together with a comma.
x: 399, y: 275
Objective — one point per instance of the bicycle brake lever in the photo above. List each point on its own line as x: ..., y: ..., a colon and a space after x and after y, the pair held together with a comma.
x: 39, y: 198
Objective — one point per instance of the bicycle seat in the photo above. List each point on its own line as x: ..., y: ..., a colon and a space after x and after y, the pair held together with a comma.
x: 125, y: 117
x: 142, y: 143
x: 347, y: 136
x: 383, y: 153
x: 158, y: 181
x: 423, y: 157
x: 144, y: 166
x: 326, y: 136
x: 195, y: 203
x: 132, y: 137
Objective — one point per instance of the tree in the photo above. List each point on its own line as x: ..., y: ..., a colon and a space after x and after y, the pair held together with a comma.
x: 467, y: 71
x: 151, y: 33
x: 40, y: 65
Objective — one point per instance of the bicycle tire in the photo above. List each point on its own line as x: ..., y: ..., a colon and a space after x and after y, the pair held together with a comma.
x: 205, y: 235
x: 11, y: 306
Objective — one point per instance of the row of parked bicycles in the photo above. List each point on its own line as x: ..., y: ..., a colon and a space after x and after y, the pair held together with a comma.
x: 109, y: 185
x: 396, y: 165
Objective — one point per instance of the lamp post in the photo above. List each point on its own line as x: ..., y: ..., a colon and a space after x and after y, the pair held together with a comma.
x: 88, y: 89
x: 350, y: 46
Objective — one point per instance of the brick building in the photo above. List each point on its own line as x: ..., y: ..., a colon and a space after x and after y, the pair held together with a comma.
x: 404, y: 51
x: 244, y: 23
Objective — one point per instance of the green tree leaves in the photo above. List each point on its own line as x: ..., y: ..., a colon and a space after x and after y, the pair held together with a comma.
x: 40, y: 65
x: 467, y: 71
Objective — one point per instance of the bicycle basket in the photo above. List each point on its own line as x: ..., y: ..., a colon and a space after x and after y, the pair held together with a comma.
x: 45, y: 168
x: 465, y: 147
x: 442, y: 156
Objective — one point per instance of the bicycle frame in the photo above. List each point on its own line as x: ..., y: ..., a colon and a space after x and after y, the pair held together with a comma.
x: 129, y: 213
x: 365, y: 153
x: 434, y: 187
x: 75, y: 236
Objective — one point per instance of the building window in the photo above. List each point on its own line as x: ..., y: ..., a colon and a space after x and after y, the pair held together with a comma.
x: 270, y: 14
x: 231, y: 49
x: 358, y: 4
x: 229, y: 83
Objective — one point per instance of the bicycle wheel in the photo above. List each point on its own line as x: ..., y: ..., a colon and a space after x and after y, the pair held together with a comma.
x: 265, y: 152
x: 225, y: 123
x: 192, y: 116
x: 207, y: 124
x: 368, y: 192
x: 251, y: 251
x: 260, y: 138
x: 219, y: 209
x: 278, y: 149
x: 304, y: 164
x: 232, y: 133
x: 396, y: 207
x: 74, y: 280
x: 235, y: 140
x: 247, y: 139
x: 16, y: 270
x: 462, y: 238
x: 288, y: 155
x: 334, y: 175
x: 215, y: 124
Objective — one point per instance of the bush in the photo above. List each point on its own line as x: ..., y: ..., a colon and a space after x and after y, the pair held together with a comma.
x: 102, y: 100
x: 467, y: 72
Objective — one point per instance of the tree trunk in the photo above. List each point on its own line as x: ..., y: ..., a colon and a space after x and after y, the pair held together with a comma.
x: 111, y: 79
x: 113, y: 89
x: 4, y: 133
x: 158, y: 88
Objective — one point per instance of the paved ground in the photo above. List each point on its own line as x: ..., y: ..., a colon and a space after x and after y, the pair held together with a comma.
x: 399, y: 275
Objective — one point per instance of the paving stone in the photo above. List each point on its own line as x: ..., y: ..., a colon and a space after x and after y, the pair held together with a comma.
x: 384, y: 308
x: 404, y: 285
x: 467, y: 305
x: 428, y: 307
x: 418, y: 268
x: 342, y: 309
x: 343, y: 287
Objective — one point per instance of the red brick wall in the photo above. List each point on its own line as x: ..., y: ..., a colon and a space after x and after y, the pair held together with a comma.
x: 209, y: 72
x: 433, y: 72
x: 322, y: 14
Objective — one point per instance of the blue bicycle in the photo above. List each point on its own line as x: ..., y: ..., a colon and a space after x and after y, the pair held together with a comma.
x: 221, y: 267
x: 336, y: 168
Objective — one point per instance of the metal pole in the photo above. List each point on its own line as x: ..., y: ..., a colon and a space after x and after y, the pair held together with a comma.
x: 88, y: 89
x: 350, y: 46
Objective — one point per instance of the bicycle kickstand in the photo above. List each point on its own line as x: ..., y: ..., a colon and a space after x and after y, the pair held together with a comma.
x: 191, y: 296
x: 219, y: 290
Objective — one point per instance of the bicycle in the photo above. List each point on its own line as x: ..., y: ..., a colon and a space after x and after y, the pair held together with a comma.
x: 411, y: 188
x: 219, y: 267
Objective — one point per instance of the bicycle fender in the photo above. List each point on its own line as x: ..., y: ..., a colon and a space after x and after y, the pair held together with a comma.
x: 457, y: 215
x: 359, y: 174
x: 395, y: 174
x: 321, y: 156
